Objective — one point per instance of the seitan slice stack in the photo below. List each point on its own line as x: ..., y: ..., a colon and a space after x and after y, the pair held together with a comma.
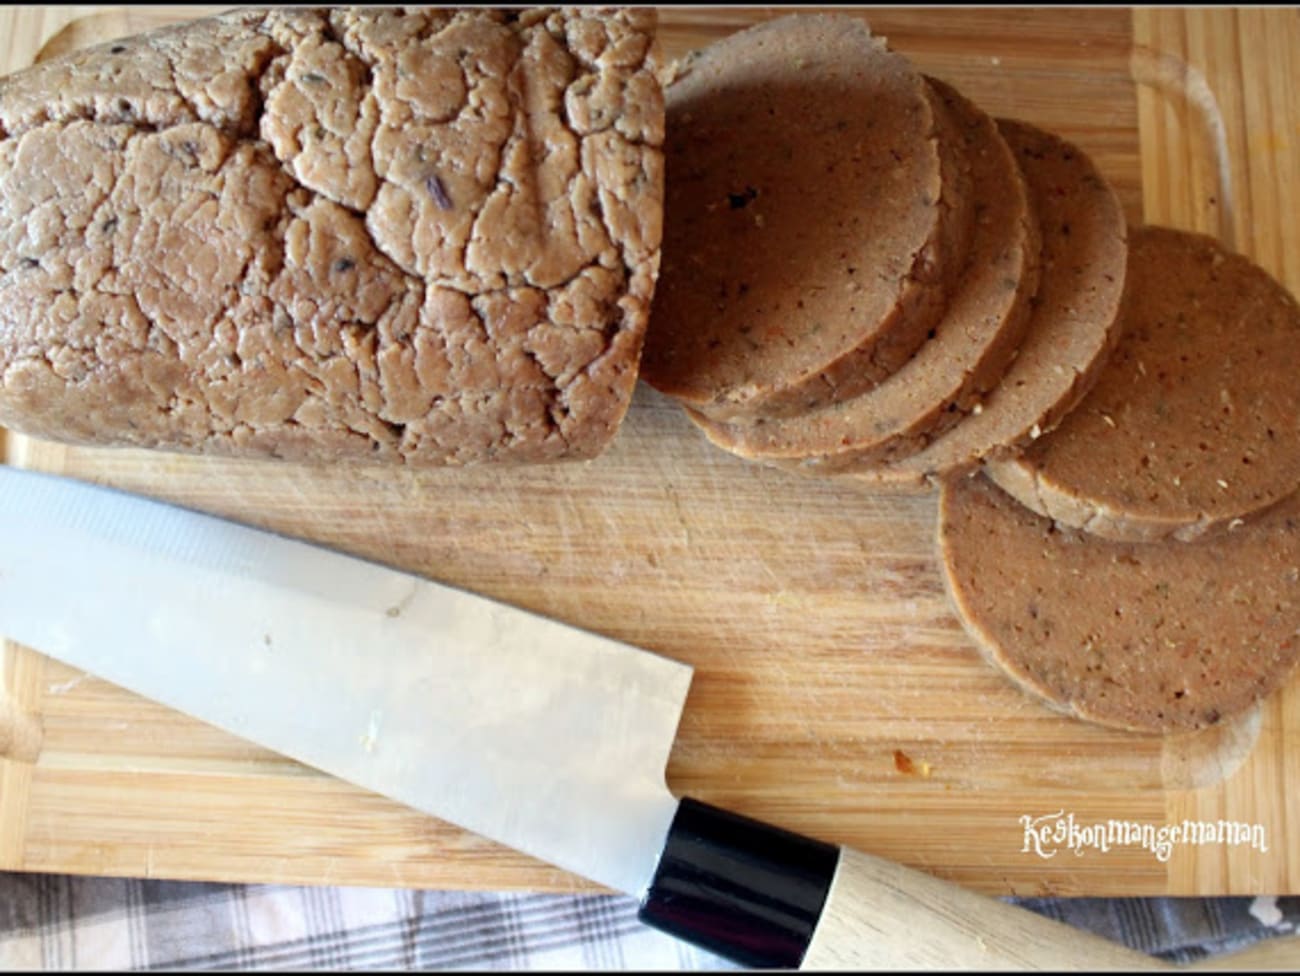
x: 424, y: 237
x: 1075, y: 321
x: 1194, y: 424
x: 988, y: 311
x: 810, y: 222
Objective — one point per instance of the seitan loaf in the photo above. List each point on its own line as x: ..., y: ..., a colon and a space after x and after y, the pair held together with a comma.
x: 424, y: 237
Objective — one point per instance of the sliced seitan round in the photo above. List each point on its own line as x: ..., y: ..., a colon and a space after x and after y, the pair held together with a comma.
x: 1194, y: 424
x: 987, y: 313
x: 1073, y: 327
x: 809, y: 232
x: 1155, y: 637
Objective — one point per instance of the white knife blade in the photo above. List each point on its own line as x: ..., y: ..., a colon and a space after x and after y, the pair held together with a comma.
x: 542, y: 736
x: 522, y: 729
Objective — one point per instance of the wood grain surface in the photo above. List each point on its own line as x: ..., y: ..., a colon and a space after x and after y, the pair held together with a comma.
x: 835, y: 692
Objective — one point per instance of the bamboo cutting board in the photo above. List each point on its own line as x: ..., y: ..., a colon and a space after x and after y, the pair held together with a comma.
x: 835, y: 693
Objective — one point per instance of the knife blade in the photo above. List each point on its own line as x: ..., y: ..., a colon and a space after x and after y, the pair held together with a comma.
x: 534, y: 733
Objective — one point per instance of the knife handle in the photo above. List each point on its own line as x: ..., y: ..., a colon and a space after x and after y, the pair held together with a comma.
x: 880, y: 914
x: 771, y: 899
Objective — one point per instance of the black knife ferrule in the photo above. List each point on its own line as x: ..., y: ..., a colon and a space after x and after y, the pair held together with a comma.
x: 739, y: 887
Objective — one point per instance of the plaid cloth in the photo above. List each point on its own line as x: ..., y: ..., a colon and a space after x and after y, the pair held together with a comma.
x: 63, y: 923
x: 56, y: 922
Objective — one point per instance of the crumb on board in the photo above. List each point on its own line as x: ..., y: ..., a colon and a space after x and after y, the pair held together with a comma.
x: 907, y: 765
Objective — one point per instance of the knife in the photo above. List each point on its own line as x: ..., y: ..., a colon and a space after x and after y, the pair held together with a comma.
x: 533, y: 733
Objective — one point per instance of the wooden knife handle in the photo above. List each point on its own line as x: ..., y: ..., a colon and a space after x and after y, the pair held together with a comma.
x: 883, y: 915
x: 771, y: 899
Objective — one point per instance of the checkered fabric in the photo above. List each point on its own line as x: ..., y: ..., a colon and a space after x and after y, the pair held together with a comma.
x: 54, y: 922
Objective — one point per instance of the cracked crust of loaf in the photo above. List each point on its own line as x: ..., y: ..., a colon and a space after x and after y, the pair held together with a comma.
x: 424, y: 237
